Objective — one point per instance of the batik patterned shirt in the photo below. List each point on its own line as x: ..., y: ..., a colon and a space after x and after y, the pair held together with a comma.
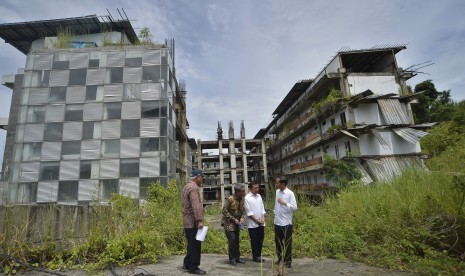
x: 232, y: 209
x: 192, y: 208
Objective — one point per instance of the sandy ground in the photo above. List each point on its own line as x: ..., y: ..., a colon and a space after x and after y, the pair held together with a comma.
x: 216, y: 264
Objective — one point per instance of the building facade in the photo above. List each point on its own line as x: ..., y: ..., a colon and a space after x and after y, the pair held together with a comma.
x: 97, y: 116
x: 357, y: 108
x: 228, y: 161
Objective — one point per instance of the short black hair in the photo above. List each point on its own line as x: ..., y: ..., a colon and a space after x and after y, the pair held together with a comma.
x: 283, y: 180
x: 253, y: 184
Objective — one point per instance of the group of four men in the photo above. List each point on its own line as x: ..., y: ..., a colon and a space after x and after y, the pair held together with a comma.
x: 234, y: 209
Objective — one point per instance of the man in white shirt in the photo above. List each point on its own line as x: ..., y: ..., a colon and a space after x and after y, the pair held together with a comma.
x: 285, y: 205
x: 255, y: 212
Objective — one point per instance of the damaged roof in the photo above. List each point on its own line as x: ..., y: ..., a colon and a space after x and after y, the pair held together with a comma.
x: 21, y: 35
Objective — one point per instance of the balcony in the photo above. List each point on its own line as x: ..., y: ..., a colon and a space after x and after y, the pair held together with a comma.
x: 310, y: 165
x: 311, y: 139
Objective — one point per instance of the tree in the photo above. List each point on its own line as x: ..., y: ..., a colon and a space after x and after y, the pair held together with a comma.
x: 432, y: 106
x: 145, y: 36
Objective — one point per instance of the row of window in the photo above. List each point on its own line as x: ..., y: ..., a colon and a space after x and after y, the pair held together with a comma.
x: 92, y: 149
x: 70, y: 190
x: 94, y: 111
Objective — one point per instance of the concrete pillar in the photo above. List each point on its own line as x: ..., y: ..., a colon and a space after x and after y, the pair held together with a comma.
x: 245, y: 173
x: 232, y: 155
x: 199, y: 163
x: 265, y: 168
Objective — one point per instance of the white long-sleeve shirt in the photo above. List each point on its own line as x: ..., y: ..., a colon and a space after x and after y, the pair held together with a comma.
x: 283, y: 213
x: 253, y: 205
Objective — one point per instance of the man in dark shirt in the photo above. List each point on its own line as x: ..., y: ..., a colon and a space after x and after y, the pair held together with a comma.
x: 192, y: 220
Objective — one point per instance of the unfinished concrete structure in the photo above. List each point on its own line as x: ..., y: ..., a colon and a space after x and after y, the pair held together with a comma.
x: 94, y: 112
x: 358, y: 107
x: 229, y: 161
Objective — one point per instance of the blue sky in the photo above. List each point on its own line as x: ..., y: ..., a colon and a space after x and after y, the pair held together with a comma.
x: 240, y: 58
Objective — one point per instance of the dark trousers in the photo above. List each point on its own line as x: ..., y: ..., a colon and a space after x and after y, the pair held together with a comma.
x: 192, y: 259
x: 233, y: 244
x: 256, y: 240
x: 283, y: 240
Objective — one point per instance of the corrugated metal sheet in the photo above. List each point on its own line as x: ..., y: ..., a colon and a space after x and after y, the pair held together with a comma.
x: 131, y: 110
x: 113, y: 93
x: 90, y: 149
x: 149, y: 167
x: 151, y: 57
x: 59, y: 77
x: 29, y: 172
x: 43, y: 61
x: 115, y: 59
x: 88, y: 190
x: 150, y: 91
x: 55, y: 113
x: 69, y: 170
x: 410, y: 135
x: 380, y: 139
x: 72, y: 131
x: 386, y: 168
x: 47, y: 191
x: 37, y: 96
x: 109, y: 168
x: 129, y: 187
x: 348, y: 133
x: 79, y: 60
x: 150, y: 127
x: 93, y: 111
x: 111, y: 129
x: 393, y: 112
x: 33, y: 132
x: 76, y: 94
x: 366, y: 178
x: 51, y: 151
x: 132, y: 75
x: 129, y: 148
x: 95, y: 76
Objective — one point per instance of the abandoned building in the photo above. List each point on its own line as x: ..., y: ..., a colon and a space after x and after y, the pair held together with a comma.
x: 94, y: 112
x: 357, y: 108
x: 228, y: 161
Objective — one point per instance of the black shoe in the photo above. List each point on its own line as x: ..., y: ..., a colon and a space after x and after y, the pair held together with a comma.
x: 240, y: 261
x: 232, y: 262
x: 185, y: 267
x: 197, y: 271
x: 288, y: 265
x: 258, y: 260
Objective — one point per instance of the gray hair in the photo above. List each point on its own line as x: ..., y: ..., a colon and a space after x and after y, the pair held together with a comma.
x: 239, y: 188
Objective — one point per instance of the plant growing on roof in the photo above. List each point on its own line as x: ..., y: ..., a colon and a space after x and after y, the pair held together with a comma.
x: 145, y: 36
x: 333, y: 96
x: 64, y: 39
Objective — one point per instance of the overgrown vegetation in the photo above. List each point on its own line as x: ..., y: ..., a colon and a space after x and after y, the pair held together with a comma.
x: 64, y: 39
x: 333, y: 96
x: 341, y: 171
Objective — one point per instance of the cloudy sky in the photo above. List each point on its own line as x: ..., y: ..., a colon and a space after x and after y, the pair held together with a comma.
x: 240, y: 58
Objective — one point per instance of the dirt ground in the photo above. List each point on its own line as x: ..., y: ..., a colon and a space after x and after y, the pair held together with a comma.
x: 217, y: 264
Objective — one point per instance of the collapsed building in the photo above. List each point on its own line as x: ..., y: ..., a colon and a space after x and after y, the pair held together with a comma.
x: 357, y: 108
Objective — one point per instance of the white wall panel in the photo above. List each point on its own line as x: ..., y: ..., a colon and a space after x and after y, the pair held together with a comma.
x: 55, y: 113
x: 111, y: 129
x: 129, y: 187
x: 37, y: 96
x: 79, y: 60
x: 69, y: 170
x: 131, y: 110
x: 113, y: 93
x: 47, y: 191
x: 129, y: 148
x: 90, y: 149
x: 150, y: 91
x: 132, y: 75
x: 149, y: 167
x: 150, y: 127
x: 29, y: 172
x: 51, y: 151
x: 93, y: 111
x: 379, y: 85
x: 115, y: 59
x: 76, y: 94
x: 109, y: 168
x: 72, y: 131
x: 43, y: 61
x: 95, y: 76
x: 151, y: 57
x: 88, y: 190
x: 32, y: 133
x: 59, y: 77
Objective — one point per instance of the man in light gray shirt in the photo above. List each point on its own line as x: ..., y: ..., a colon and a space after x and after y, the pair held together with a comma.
x: 255, y: 212
x: 285, y: 205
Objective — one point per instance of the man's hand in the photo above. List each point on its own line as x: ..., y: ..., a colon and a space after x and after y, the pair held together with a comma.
x: 282, y: 201
x: 200, y: 226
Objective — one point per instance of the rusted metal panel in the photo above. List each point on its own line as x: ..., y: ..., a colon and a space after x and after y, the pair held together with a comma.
x: 393, y: 112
